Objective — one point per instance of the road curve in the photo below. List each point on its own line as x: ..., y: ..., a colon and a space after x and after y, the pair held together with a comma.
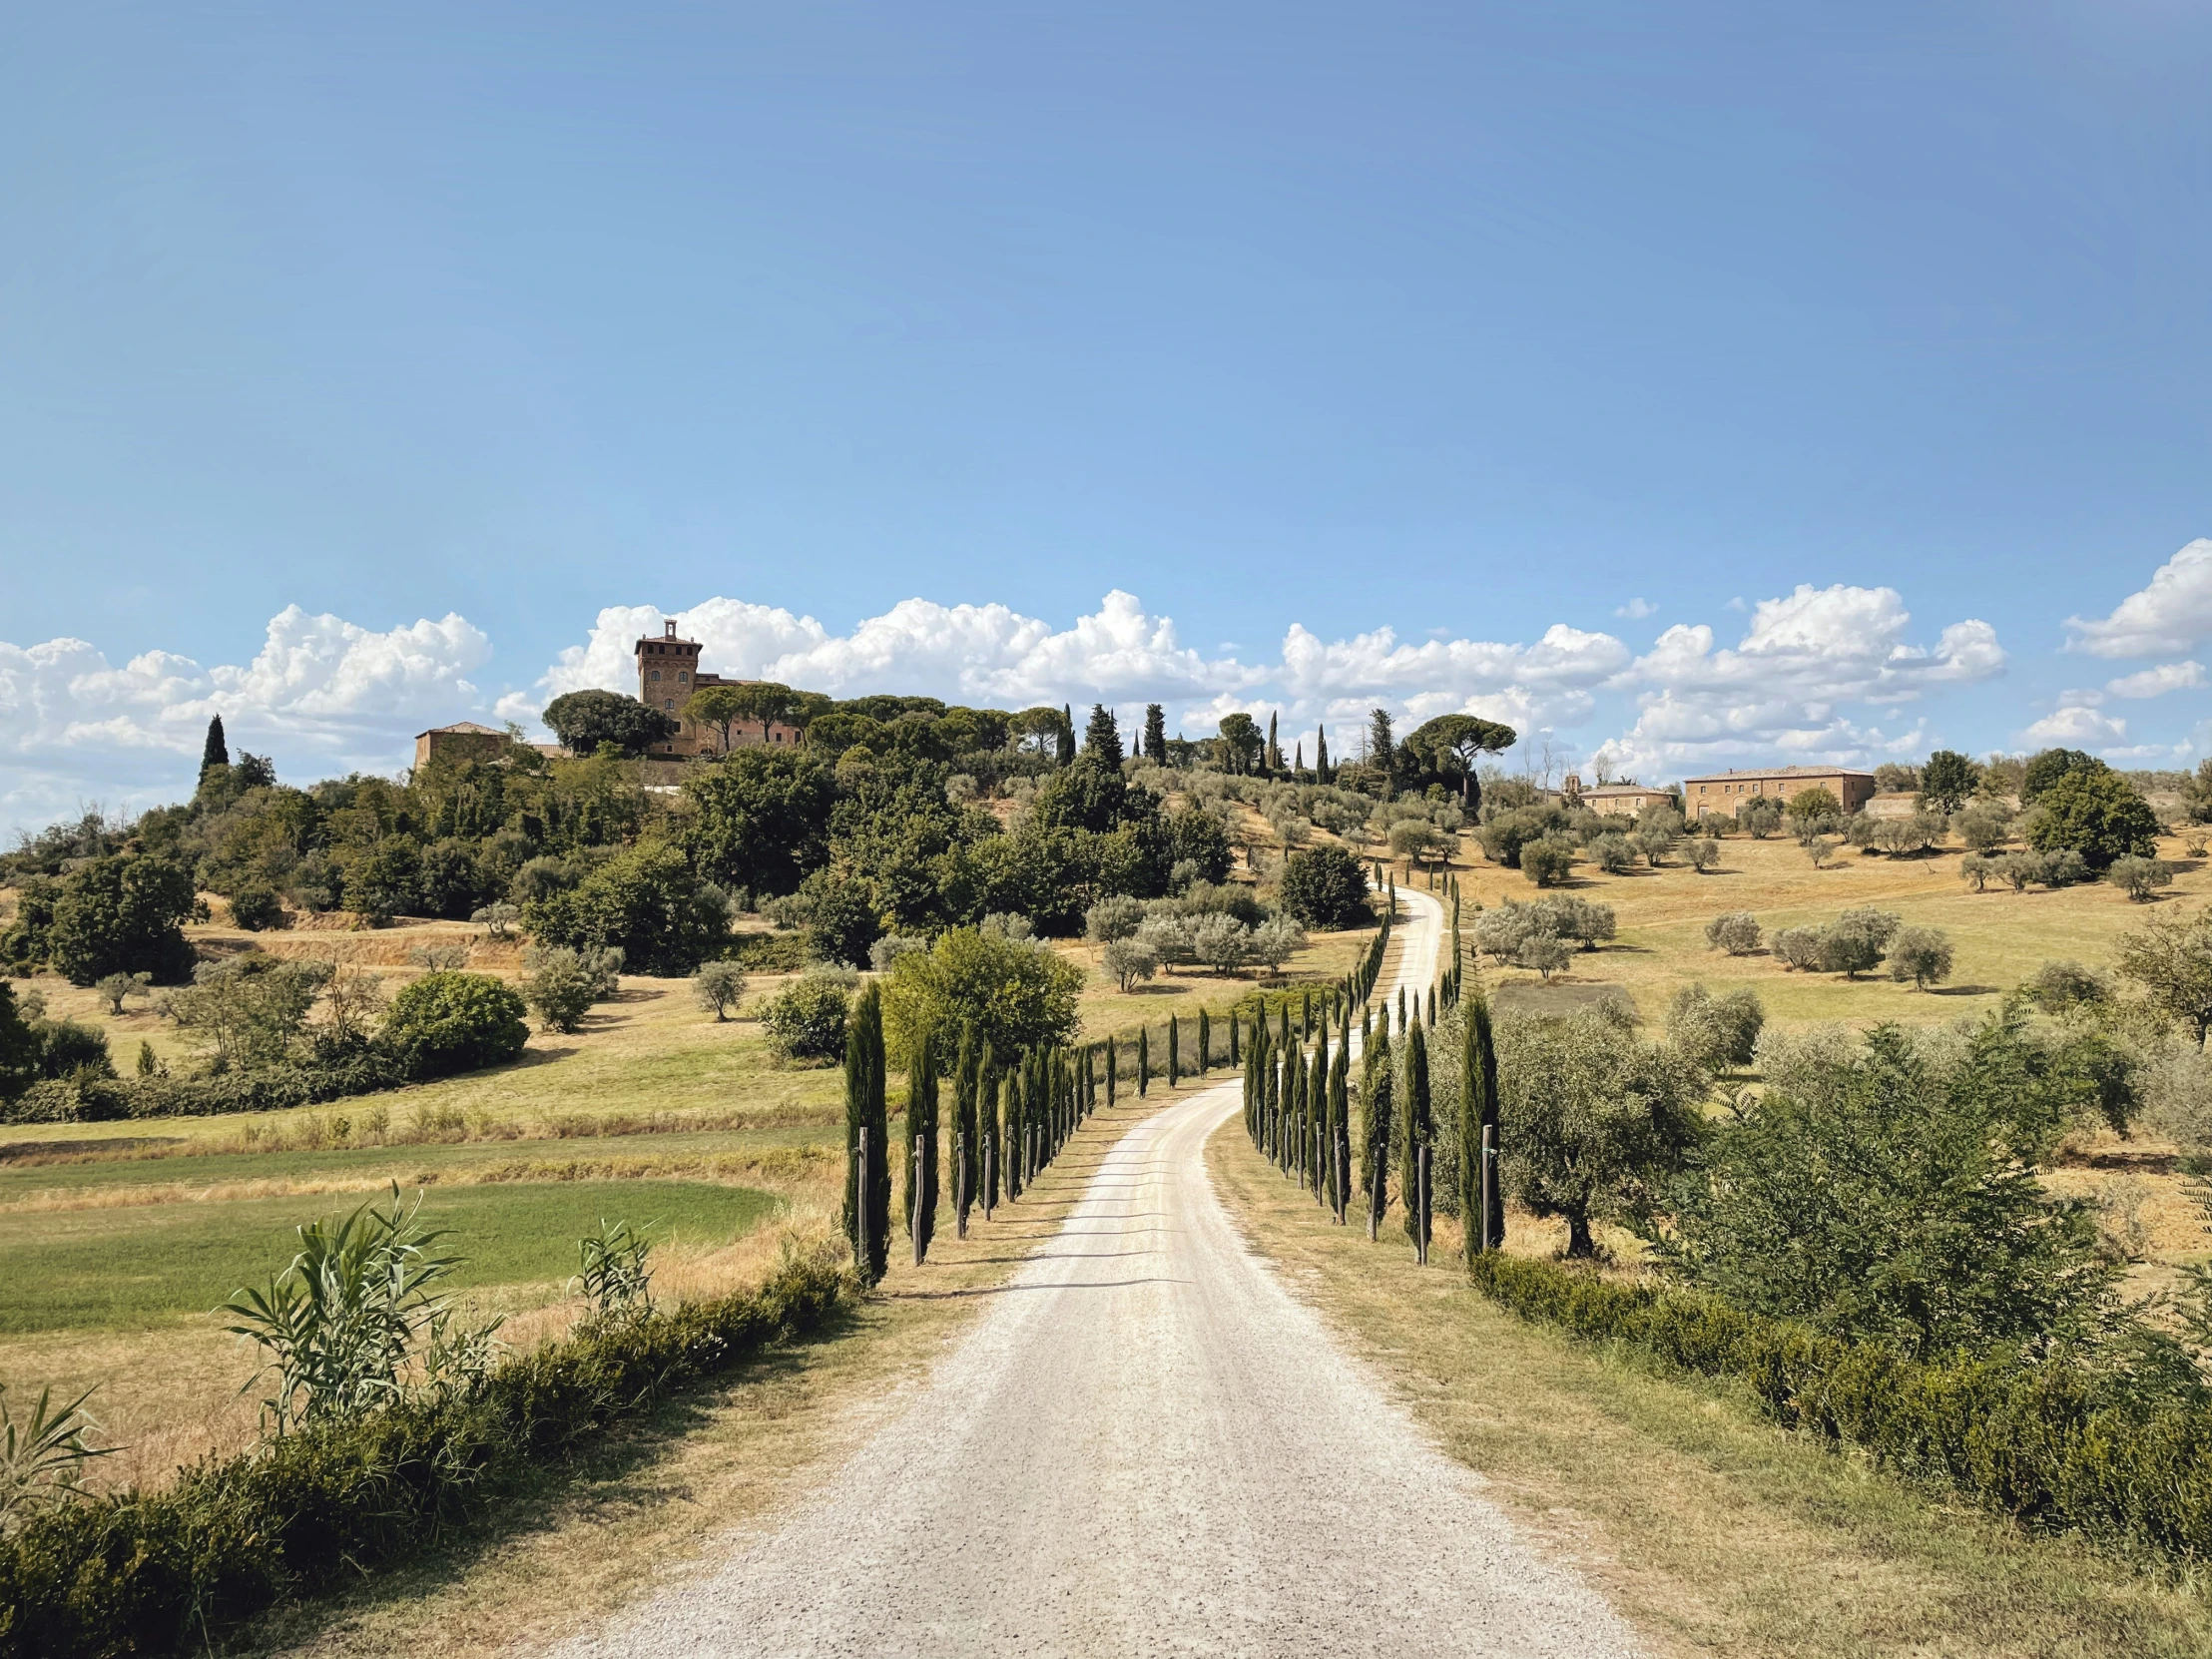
x: 1145, y: 1447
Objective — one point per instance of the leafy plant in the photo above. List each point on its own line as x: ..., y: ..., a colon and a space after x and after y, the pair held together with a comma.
x: 614, y: 1278
x: 43, y: 1459
x: 718, y: 987
x: 340, y: 1326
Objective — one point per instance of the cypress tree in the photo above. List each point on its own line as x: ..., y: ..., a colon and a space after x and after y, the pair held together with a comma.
x: 1233, y: 1037
x: 1431, y: 1007
x: 1155, y: 734
x: 1304, y: 1016
x: 1317, y: 1120
x: 1144, y: 1060
x: 1419, y: 1136
x: 922, y: 1146
x: 966, y: 1091
x: 1401, y: 1010
x: 1477, y: 1111
x: 1113, y: 1072
x: 1014, y: 1134
x: 1375, y: 1145
x: 868, y: 1182
x: 1175, y: 1052
x: 215, y: 751
x: 986, y: 1117
x: 1205, y: 1043
x: 1321, y: 754
x: 1274, y: 761
x: 1251, y: 1101
x: 1065, y: 748
x: 1340, y: 1138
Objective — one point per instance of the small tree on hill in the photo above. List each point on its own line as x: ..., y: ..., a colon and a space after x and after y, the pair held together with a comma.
x: 214, y: 752
x: 719, y: 707
x: 1948, y: 781
x: 2171, y: 958
x: 584, y: 720
x: 1814, y: 805
x: 2140, y: 878
x: 1921, y: 954
x: 2096, y: 814
x: 1155, y: 734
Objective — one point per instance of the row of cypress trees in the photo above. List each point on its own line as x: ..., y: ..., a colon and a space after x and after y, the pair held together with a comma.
x: 1297, y: 1111
x: 1010, y: 1119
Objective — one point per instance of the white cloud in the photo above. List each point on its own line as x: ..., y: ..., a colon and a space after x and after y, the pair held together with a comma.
x: 1636, y: 610
x: 1786, y: 686
x: 2157, y: 682
x: 2162, y: 619
x: 320, y: 691
x: 2075, y: 725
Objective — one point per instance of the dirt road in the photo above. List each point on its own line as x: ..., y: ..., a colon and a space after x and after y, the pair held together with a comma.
x: 1146, y: 1446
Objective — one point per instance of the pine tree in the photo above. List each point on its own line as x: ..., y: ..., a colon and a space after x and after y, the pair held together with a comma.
x: 966, y: 1093
x: 1144, y: 1061
x: 1155, y: 734
x: 922, y: 1146
x: 1375, y: 1089
x: 1205, y: 1043
x: 1102, y: 737
x: 868, y: 1182
x: 215, y: 751
x: 1420, y: 1135
x: 1175, y: 1052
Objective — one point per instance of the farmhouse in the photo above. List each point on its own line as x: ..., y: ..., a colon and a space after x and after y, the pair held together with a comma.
x: 1720, y: 794
x: 1627, y: 798
x: 668, y: 673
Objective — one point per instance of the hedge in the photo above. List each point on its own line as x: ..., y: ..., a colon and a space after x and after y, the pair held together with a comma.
x: 2049, y: 1444
x: 265, y: 1089
x: 154, y: 1573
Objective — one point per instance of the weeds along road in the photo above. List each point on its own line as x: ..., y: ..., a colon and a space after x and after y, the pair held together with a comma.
x: 1146, y: 1446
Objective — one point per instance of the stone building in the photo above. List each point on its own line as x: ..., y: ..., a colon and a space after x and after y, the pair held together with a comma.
x: 1625, y: 799
x: 668, y: 674
x: 1723, y: 793
x: 464, y: 740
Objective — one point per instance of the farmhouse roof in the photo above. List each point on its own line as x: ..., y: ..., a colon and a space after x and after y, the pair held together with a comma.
x: 1779, y: 772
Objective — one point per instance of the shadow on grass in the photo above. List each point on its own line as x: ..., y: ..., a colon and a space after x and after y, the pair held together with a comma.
x: 1963, y: 990
x: 620, y: 1471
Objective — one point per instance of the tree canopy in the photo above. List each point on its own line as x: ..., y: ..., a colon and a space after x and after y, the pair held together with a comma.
x: 583, y: 720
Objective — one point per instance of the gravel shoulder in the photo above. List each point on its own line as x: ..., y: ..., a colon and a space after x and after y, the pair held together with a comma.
x: 1146, y: 1446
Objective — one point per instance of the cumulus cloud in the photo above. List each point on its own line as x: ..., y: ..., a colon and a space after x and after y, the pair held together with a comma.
x: 2077, y: 725
x: 1636, y: 610
x: 2164, y: 618
x: 1790, y: 686
x: 320, y: 689
x: 2157, y: 682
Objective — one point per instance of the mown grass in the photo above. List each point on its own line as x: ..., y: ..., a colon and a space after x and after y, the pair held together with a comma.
x: 114, y: 1268
x: 1714, y: 1531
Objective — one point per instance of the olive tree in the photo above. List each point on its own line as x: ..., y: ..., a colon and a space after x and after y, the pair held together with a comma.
x: 1591, y: 1118
x: 2140, y: 878
x: 1921, y: 954
x: 1735, y: 931
x: 2171, y: 958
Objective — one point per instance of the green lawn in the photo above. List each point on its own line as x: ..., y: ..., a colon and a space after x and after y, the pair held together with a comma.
x: 136, y: 1266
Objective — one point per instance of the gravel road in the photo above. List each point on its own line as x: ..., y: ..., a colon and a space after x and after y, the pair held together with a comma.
x: 1146, y: 1446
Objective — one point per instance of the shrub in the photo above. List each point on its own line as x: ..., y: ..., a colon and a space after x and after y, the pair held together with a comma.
x: 1325, y: 886
x: 1715, y: 1033
x: 449, y: 1022
x: 805, y: 1019
x: 646, y: 902
x: 1703, y: 852
x: 1980, y: 827
x: 1735, y: 931
x: 561, y: 985
x: 256, y: 909
x: 2059, y: 986
x: 2039, y: 1442
x: 1759, y: 816
x: 718, y: 987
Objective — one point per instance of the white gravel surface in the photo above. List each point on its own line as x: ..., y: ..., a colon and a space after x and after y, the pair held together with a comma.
x: 1146, y: 1446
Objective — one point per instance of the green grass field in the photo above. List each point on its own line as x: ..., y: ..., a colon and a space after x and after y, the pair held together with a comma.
x: 146, y: 1265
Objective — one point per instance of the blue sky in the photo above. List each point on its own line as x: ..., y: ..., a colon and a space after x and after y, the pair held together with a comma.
x: 454, y: 327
